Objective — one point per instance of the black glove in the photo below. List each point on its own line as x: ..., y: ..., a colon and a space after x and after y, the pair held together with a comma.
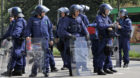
x: 51, y: 48
x: 9, y: 38
x: 1, y: 41
x: 73, y: 37
x: 19, y: 40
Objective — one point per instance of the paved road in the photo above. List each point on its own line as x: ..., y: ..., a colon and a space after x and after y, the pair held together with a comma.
x: 133, y: 71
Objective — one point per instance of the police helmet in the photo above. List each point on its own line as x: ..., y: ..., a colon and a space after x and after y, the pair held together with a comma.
x: 16, y: 11
x: 40, y: 9
x: 124, y: 12
x: 10, y: 11
x: 64, y: 9
x: 85, y: 8
x: 104, y: 7
x: 75, y: 7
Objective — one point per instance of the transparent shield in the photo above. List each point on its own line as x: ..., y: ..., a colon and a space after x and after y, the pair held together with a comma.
x: 116, y: 51
x: 35, y: 55
x: 5, y: 50
x: 80, y: 52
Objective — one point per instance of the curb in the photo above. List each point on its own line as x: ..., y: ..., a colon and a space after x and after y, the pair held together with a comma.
x: 113, y: 58
x: 132, y: 59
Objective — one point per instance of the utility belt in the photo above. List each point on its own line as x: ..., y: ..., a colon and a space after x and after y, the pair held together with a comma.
x: 74, y: 29
x: 108, y: 47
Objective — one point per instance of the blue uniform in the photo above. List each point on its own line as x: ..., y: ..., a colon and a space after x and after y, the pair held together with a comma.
x: 41, y: 29
x: 84, y: 19
x: 95, y: 41
x: 108, y: 61
x: 103, y: 23
x: 124, y: 39
x: 60, y: 44
x: 17, y: 31
x: 73, y: 26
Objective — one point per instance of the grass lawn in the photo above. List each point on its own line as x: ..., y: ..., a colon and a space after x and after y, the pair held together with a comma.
x: 132, y: 53
x: 56, y: 52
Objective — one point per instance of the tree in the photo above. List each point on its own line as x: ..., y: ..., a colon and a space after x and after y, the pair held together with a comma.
x: 28, y: 6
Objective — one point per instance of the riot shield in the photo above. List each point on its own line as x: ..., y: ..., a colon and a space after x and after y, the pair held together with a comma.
x: 5, y: 51
x: 80, y: 57
x: 35, y: 55
x: 116, y: 51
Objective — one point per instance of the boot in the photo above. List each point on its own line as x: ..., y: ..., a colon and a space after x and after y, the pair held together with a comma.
x: 32, y: 75
x: 70, y: 72
x: 100, y: 72
x: 64, y: 68
x: 4, y: 73
x: 23, y: 71
x: 54, y: 69
x: 17, y: 73
x: 111, y: 69
x: 7, y: 73
x: 46, y: 75
x: 95, y: 70
x: 108, y: 71
x: 125, y: 65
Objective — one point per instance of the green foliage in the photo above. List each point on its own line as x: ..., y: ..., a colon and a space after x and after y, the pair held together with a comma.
x: 134, y: 54
x: 29, y: 5
x: 56, y: 52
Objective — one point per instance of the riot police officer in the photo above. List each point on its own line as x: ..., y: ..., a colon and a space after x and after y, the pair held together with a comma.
x: 124, y: 39
x: 63, y: 12
x: 72, y: 27
x: 104, y: 25
x: 84, y: 9
x: 17, y: 31
x: 92, y: 28
x: 39, y: 28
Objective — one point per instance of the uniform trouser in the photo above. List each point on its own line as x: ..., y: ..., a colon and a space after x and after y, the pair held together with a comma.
x: 44, y: 59
x: 69, y: 59
x: 15, y: 63
x: 100, y: 53
x: 51, y: 60
x: 64, y: 58
x: 94, y: 48
x: 68, y: 54
x: 108, y: 62
x: 24, y: 62
x: 62, y: 52
x: 16, y: 59
x: 125, y: 46
x: 23, y: 57
x: 17, y: 68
